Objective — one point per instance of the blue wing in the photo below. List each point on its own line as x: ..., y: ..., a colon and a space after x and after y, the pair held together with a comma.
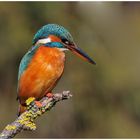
x: 26, y: 60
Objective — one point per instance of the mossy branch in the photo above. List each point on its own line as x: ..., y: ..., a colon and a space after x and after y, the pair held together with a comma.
x: 26, y: 120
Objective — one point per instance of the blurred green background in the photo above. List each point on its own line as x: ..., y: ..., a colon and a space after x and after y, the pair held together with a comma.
x: 106, y: 97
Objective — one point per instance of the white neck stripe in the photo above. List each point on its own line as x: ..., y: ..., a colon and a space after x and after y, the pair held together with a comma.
x: 44, y: 41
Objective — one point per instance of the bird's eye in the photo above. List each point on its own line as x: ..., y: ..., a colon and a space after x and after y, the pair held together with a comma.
x: 65, y: 41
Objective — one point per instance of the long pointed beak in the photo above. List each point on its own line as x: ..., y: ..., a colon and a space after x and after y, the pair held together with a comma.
x: 80, y: 53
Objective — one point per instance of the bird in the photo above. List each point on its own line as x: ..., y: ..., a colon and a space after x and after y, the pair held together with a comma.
x: 43, y: 65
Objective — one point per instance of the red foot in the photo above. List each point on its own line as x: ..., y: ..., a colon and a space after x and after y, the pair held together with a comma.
x: 49, y: 95
x: 38, y: 103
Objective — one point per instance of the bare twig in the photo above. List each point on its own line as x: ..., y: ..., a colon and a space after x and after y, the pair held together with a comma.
x: 26, y: 120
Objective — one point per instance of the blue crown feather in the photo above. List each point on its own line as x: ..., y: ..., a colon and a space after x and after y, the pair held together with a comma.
x: 52, y: 29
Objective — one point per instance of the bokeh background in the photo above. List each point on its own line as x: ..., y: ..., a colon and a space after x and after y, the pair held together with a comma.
x: 106, y: 97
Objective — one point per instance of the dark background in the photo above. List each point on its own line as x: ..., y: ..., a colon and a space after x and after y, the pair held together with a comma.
x: 106, y: 97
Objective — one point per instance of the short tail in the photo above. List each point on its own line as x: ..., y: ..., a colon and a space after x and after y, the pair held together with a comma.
x: 21, y: 109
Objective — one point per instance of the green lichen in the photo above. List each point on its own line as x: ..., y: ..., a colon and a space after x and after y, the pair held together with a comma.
x: 29, y: 101
x: 10, y: 127
x: 25, y: 118
x: 27, y: 121
x: 43, y: 109
x: 38, y: 113
x: 31, y: 125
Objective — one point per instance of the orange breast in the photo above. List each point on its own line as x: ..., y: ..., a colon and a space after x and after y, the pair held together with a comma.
x: 44, y: 70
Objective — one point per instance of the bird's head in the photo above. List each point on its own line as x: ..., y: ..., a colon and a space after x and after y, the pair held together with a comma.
x: 53, y: 35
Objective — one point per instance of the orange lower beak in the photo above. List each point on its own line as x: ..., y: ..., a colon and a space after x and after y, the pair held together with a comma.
x: 80, y: 53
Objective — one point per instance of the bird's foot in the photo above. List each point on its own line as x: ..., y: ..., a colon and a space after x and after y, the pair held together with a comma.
x: 49, y: 95
x: 30, y: 102
x: 38, y: 104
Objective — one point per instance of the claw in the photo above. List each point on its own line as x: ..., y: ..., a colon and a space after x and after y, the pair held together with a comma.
x: 49, y: 95
x: 38, y: 104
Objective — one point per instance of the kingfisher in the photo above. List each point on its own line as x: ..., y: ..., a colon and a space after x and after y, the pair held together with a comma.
x: 42, y: 66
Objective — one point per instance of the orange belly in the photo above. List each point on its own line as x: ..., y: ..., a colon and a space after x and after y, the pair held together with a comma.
x: 42, y: 73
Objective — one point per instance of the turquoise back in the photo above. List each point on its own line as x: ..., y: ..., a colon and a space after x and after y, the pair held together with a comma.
x: 26, y: 60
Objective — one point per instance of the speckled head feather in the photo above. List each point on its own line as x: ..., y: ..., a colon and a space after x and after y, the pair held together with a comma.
x: 52, y: 29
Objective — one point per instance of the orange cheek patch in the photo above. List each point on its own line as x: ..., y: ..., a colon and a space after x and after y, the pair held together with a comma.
x: 54, y: 38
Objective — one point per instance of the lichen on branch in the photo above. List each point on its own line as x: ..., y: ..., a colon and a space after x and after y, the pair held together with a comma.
x: 26, y: 120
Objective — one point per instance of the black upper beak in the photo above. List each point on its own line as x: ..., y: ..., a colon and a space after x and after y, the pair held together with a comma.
x: 80, y: 53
